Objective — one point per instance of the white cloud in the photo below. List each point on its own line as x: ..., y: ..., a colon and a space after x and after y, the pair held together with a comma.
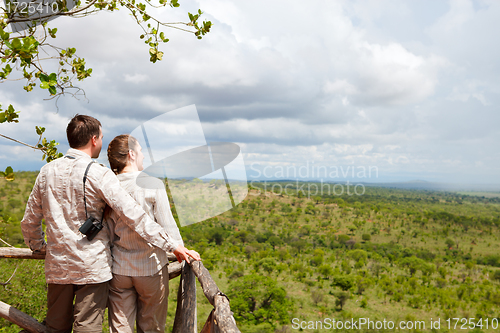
x: 136, y: 78
x: 387, y: 75
x: 461, y: 11
x: 340, y: 87
x: 470, y: 89
x: 394, y: 83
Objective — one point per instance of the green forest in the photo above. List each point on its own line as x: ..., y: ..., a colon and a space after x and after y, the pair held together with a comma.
x: 305, y: 262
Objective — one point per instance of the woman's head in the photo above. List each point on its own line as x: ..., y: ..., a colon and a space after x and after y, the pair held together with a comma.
x: 124, y: 152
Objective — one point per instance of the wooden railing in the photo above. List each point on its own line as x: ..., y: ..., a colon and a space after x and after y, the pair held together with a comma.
x: 220, y: 319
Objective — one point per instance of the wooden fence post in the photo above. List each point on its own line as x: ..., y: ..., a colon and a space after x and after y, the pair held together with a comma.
x: 185, y: 315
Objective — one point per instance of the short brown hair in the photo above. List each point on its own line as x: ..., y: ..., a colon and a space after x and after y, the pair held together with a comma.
x: 118, y: 151
x: 81, y: 129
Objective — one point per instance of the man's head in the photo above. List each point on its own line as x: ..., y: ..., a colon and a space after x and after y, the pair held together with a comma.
x: 84, y: 133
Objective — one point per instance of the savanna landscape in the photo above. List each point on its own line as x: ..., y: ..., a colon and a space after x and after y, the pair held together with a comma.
x: 297, y: 261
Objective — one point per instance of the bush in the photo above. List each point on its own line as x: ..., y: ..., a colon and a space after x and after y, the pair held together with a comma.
x: 343, y: 282
x: 342, y: 239
x: 325, y: 270
x: 490, y: 260
x: 257, y: 299
x: 341, y: 298
x: 496, y: 275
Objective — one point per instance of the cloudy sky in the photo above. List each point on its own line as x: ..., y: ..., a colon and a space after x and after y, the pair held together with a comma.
x: 408, y: 87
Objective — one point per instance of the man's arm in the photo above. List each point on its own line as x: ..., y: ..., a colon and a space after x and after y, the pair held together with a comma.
x: 163, y: 216
x: 31, y: 224
x: 131, y: 213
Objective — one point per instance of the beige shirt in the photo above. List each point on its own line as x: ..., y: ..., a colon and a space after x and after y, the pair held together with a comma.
x: 57, y: 197
x: 132, y: 255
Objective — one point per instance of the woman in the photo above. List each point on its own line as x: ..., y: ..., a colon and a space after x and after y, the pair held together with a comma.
x: 139, y: 288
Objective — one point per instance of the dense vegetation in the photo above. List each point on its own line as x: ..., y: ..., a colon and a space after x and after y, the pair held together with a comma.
x: 388, y: 254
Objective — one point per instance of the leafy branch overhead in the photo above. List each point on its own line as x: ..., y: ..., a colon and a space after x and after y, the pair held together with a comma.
x: 48, y: 148
x: 30, y: 45
x: 22, y: 50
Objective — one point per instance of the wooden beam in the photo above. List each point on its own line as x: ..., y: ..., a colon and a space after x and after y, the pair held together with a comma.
x: 21, y: 319
x: 14, y: 252
x: 24, y: 253
x: 174, y: 270
x: 210, y: 289
x: 224, y: 319
x: 185, y: 315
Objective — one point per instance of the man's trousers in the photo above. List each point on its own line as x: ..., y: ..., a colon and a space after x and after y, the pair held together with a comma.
x: 85, y: 316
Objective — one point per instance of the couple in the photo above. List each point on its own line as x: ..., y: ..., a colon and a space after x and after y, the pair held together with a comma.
x: 79, y: 271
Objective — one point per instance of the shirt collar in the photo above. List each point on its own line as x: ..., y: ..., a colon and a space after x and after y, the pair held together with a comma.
x: 77, y: 154
x: 128, y: 175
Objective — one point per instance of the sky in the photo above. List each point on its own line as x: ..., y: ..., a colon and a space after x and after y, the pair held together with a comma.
x: 408, y: 89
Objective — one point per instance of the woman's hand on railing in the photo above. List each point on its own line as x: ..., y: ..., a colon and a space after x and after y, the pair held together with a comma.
x: 183, y: 253
x: 193, y: 254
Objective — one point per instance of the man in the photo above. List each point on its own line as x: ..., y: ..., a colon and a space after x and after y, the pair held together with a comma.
x: 77, y: 268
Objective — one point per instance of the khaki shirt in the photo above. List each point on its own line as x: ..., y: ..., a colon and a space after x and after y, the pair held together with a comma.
x: 57, y: 197
x: 132, y: 255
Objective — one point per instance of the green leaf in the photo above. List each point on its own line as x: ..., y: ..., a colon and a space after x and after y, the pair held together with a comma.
x: 10, y: 115
x: 52, y: 90
x: 52, y: 32
x: 4, y: 35
x: 53, y: 77
x: 16, y: 44
x: 159, y: 55
x: 39, y: 130
x: 28, y: 88
x: 8, y: 174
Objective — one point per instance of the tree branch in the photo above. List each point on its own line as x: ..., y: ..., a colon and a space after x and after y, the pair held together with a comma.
x: 161, y: 23
x: 21, y: 142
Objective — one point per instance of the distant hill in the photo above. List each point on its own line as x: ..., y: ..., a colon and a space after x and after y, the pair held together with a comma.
x: 409, y: 185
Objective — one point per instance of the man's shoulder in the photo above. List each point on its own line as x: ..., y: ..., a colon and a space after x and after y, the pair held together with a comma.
x: 101, y: 170
x: 51, y: 165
